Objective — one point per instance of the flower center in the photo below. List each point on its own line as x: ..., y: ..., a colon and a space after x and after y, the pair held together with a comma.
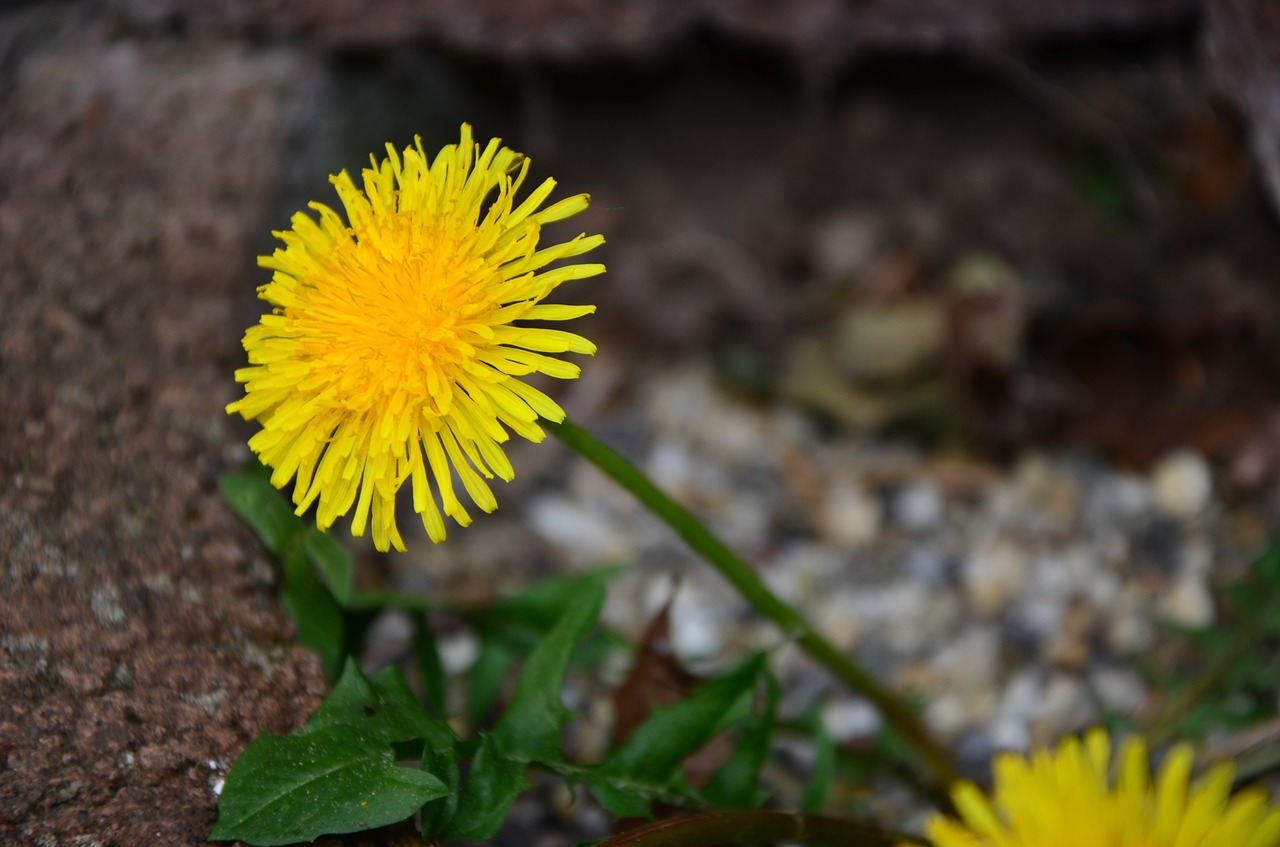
x: 398, y: 311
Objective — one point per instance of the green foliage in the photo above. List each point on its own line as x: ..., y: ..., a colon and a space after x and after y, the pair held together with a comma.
x: 372, y: 754
x: 252, y: 497
x: 653, y: 753
x: 332, y: 562
x: 1243, y: 661
x: 319, y: 618
x: 736, y: 785
x: 514, y: 625
x: 529, y: 731
x: 824, y: 766
x: 339, y: 772
x: 494, y: 783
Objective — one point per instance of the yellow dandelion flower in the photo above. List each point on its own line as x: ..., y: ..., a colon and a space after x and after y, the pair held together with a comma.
x: 392, y: 354
x: 1066, y: 798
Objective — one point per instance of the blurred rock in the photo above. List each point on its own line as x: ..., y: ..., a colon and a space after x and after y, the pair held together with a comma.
x: 851, y: 517
x: 919, y: 506
x: 891, y: 342
x: 143, y: 648
x: 1120, y: 689
x: 575, y: 29
x: 1244, y: 48
x: 848, y: 719
x: 846, y: 243
x: 1183, y: 484
x: 993, y: 573
x: 1188, y: 603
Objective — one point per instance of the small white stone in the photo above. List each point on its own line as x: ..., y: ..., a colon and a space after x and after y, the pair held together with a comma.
x: 1021, y: 696
x: 698, y: 624
x: 1009, y: 734
x: 847, y: 719
x: 946, y: 714
x: 669, y: 467
x: 1119, y: 497
x: 742, y: 521
x: 993, y: 573
x: 1121, y: 689
x: 837, y: 617
x: 1063, y: 706
x: 900, y: 614
x: 890, y: 342
x: 970, y: 662
x: 918, y: 507
x: 458, y: 650
x: 1188, y: 603
x: 1130, y: 630
x: 846, y: 242
x: 850, y: 516
x: 586, y: 537
x: 1183, y: 484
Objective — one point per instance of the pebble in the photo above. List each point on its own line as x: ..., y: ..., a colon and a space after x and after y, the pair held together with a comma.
x: 850, y: 517
x: 846, y: 243
x: 1121, y: 689
x: 1183, y: 484
x: 458, y: 650
x: 994, y: 572
x: 847, y: 719
x: 837, y: 618
x: 1063, y: 707
x: 1188, y: 603
x: 700, y: 621
x: 584, y: 534
x: 1006, y: 607
x: 890, y: 342
x: 969, y: 664
x: 918, y: 507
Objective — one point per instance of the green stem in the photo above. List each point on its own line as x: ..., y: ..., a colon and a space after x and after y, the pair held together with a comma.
x: 752, y: 827
x: 743, y: 578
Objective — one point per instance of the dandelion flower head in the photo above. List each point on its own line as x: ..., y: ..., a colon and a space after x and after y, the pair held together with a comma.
x: 392, y: 352
x: 1066, y: 797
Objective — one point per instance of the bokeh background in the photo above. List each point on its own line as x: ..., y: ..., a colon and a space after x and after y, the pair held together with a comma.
x: 958, y: 319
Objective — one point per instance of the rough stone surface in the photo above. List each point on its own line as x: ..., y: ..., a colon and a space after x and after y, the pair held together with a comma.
x: 1244, y: 45
x: 141, y: 649
x: 584, y: 28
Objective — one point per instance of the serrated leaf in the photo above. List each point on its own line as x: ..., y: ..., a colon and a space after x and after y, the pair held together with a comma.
x: 316, y: 614
x: 736, y: 783
x: 529, y: 730
x: 380, y: 707
x: 492, y: 786
x: 658, y: 746
x: 253, y: 498
x: 333, y: 562
x: 620, y: 799
x: 439, y: 813
x: 521, y: 620
x: 296, y: 788
x: 654, y: 751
